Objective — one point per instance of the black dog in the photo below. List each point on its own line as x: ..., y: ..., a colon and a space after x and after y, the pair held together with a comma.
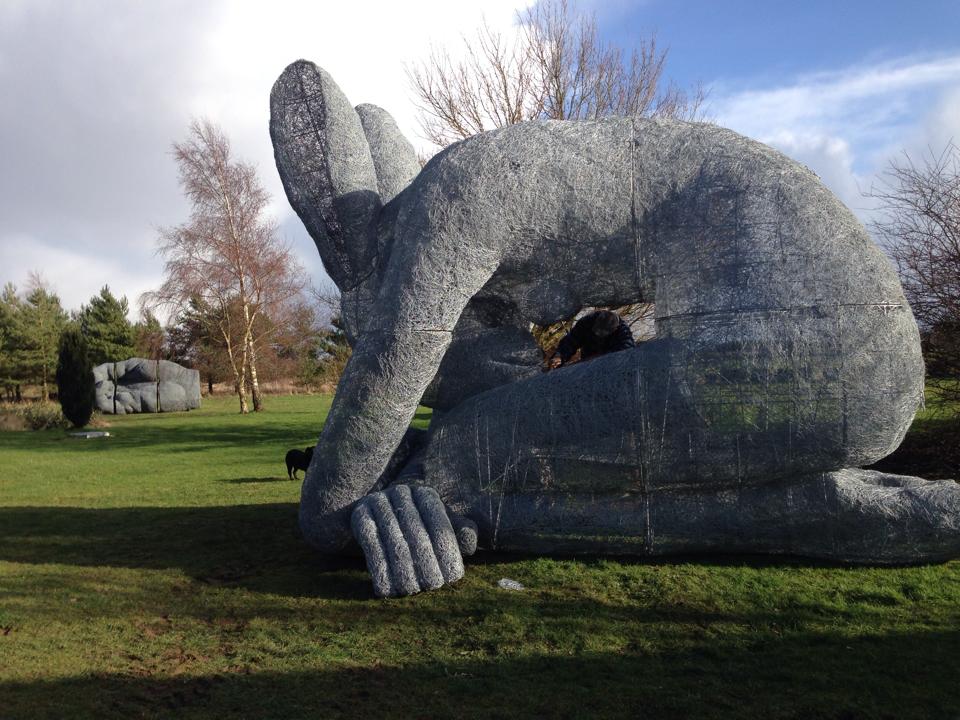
x: 298, y: 460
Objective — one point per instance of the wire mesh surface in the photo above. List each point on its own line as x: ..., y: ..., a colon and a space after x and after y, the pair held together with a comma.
x: 784, y: 348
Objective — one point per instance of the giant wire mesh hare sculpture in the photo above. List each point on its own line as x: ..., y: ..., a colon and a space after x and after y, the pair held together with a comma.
x: 785, y: 356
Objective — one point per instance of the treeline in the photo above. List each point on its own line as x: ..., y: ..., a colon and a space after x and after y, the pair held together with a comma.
x: 305, y: 347
x: 33, y: 321
x: 299, y: 342
x: 240, y: 306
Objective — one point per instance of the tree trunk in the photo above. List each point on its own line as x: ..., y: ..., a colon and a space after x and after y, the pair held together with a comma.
x: 241, y: 384
x: 241, y: 389
x: 251, y: 354
x: 254, y: 381
x: 209, y: 384
x: 242, y: 375
x: 239, y: 375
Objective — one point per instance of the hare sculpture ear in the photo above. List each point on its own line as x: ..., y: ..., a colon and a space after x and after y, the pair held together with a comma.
x: 327, y: 170
x: 393, y: 156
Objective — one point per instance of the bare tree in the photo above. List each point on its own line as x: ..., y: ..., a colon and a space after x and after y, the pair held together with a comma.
x: 148, y: 336
x: 920, y: 227
x: 557, y: 68
x: 327, y: 301
x: 228, y: 255
x: 334, y: 348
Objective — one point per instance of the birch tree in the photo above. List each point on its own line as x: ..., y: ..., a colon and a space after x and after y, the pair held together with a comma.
x: 228, y: 255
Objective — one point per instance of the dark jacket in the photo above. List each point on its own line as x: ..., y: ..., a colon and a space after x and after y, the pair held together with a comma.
x: 581, y: 338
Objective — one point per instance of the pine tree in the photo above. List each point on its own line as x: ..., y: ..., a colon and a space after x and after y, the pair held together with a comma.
x: 10, y: 371
x: 39, y: 323
x: 109, y: 335
x: 333, y: 351
x: 75, y: 385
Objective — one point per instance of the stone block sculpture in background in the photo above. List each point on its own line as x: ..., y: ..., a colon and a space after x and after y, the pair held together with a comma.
x: 140, y: 385
x: 785, y: 356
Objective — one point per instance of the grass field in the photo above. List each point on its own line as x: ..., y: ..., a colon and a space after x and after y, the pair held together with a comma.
x: 159, y: 573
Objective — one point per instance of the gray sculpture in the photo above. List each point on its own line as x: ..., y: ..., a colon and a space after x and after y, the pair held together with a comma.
x: 140, y: 385
x: 785, y: 356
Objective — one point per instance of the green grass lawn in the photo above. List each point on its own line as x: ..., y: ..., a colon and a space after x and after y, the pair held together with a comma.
x: 159, y: 573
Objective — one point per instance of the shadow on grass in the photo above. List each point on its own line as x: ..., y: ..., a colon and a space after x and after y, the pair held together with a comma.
x: 255, y: 480
x: 805, y: 675
x: 257, y: 548
x: 226, y: 539
x: 177, y: 438
x: 229, y: 541
x: 254, y: 546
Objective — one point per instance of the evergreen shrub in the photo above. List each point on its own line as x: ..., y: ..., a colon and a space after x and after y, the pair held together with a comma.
x: 75, y: 384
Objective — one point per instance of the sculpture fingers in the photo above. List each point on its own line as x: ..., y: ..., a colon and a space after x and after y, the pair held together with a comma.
x: 428, y: 573
x: 408, y: 540
x: 365, y: 531
x: 445, y: 545
x: 467, y: 534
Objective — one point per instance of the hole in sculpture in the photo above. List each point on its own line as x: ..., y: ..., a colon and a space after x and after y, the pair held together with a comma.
x: 639, y: 316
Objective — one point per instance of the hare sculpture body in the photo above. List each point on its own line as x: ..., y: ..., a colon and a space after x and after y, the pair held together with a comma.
x: 785, y: 354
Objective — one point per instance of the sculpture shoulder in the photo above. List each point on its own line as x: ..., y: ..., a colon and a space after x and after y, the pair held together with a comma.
x: 542, y: 139
x: 526, y: 146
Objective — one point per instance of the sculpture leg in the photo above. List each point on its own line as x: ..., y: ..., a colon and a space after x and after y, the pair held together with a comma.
x: 850, y: 516
x: 542, y: 466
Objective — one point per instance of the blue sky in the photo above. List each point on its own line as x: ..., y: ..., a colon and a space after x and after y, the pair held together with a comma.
x: 841, y: 86
x: 95, y: 92
x: 743, y: 44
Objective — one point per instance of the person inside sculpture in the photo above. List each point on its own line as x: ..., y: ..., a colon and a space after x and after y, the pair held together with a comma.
x: 598, y: 333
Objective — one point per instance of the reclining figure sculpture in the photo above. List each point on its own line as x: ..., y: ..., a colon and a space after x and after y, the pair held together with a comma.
x: 785, y: 357
x: 142, y: 385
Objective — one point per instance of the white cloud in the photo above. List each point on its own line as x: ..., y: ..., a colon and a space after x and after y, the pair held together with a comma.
x: 863, y: 98
x: 847, y: 125
x: 942, y: 124
x: 96, y: 91
x: 75, y: 275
